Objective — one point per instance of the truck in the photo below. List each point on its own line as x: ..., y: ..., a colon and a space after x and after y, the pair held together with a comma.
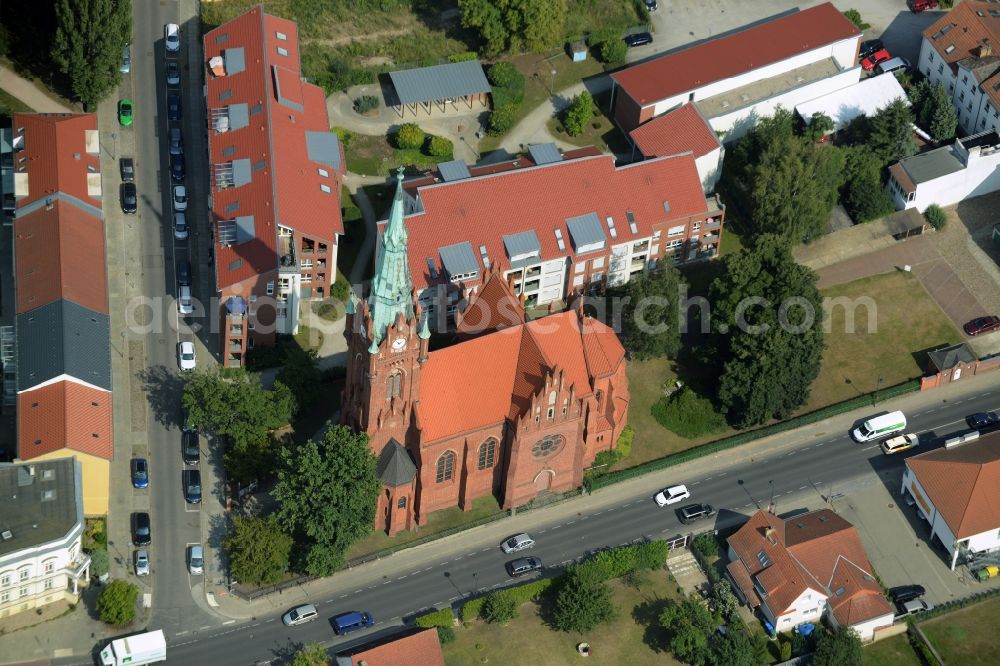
x: 147, y: 648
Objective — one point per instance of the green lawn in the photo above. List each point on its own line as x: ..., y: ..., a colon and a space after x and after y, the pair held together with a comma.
x: 10, y: 105
x: 374, y: 155
x: 895, y: 651
x: 634, y: 637
x: 966, y: 636
x: 439, y: 521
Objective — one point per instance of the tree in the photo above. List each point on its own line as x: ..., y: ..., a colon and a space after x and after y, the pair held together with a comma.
x: 503, y: 74
x: 737, y: 648
x: 512, y: 25
x: 116, y: 604
x: 258, y: 550
x: 499, y: 607
x: 313, y: 654
x: 99, y: 564
x: 819, y: 126
x: 326, y: 495
x: 650, y: 312
x: 892, y: 132
x: 88, y: 42
x: 688, y: 414
x: 502, y: 119
x: 936, y: 216
x: 301, y: 375
x: 409, y: 136
x: 614, y: 50
x: 690, y: 625
x: 768, y: 337
x: 867, y: 199
x: 579, y: 112
x: 726, y: 602
x: 841, y: 647
x: 583, y: 602
x: 933, y: 110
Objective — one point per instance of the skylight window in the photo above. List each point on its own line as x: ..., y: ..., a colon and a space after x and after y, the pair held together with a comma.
x: 764, y: 560
x: 559, y: 240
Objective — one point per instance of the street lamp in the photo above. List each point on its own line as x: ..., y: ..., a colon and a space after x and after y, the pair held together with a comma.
x: 552, y: 88
x: 878, y: 385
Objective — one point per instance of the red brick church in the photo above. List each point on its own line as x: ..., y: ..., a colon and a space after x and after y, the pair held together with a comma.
x: 514, y: 407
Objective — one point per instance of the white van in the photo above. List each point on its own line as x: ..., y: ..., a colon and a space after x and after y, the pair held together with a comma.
x: 880, y: 426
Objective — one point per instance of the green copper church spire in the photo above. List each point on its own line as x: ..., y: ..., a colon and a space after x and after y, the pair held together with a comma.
x: 392, y: 285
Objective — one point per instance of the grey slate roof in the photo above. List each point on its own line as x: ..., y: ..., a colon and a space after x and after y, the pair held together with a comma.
x: 395, y: 466
x: 39, y: 508
x: 63, y: 338
x: 427, y: 84
x: 947, y: 358
x: 932, y: 164
x: 586, y: 230
x: 323, y: 147
x: 245, y: 229
x: 453, y: 170
x: 459, y: 258
x: 544, y: 153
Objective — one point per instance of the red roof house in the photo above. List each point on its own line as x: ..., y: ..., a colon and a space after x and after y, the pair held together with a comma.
x: 679, y: 131
x: 419, y: 648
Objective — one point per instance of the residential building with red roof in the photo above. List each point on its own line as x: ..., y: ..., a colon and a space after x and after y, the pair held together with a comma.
x: 736, y: 78
x: 682, y: 130
x: 955, y: 488
x: 555, y: 223
x: 959, y: 51
x: 62, y: 364
x: 276, y: 176
x: 415, y: 648
x: 805, y: 568
x: 512, y: 408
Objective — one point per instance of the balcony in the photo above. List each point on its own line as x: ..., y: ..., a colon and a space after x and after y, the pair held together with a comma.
x: 308, y: 247
x: 533, y: 272
x: 234, y: 360
x: 321, y: 264
x: 236, y: 331
x: 322, y: 248
x: 638, y: 263
x: 640, y: 247
x: 235, y: 345
x: 77, y: 567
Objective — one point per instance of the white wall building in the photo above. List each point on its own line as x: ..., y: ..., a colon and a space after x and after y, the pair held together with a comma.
x: 956, y: 491
x: 947, y: 175
x: 41, y: 526
x: 865, y: 98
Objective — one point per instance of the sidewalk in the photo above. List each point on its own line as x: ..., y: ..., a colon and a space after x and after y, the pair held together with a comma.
x: 488, y: 535
x: 28, y: 92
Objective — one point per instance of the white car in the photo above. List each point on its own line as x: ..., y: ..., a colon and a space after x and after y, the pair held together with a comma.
x: 180, y: 225
x: 172, y: 37
x: 180, y: 198
x: 141, y: 563
x: 196, y: 560
x: 671, y: 495
x: 185, y: 355
x: 517, y: 542
x: 185, y: 305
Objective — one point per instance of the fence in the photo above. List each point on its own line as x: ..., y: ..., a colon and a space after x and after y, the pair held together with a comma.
x: 257, y: 593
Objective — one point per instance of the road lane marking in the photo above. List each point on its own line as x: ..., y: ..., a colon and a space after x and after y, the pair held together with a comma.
x: 229, y: 622
x: 182, y: 633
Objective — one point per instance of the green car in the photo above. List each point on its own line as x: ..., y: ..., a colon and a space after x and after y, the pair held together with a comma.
x: 125, y: 112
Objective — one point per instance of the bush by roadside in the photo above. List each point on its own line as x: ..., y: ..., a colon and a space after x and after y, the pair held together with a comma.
x: 688, y: 414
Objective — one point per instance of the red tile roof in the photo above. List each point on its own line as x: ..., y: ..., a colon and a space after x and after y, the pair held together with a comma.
x: 964, y: 28
x: 962, y: 484
x: 731, y: 55
x: 57, y: 158
x: 68, y: 415
x: 675, y: 132
x: 286, y: 190
x: 60, y: 254
x: 483, y: 210
x: 418, y: 649
x: 520, y: 162
x: 494, y: 307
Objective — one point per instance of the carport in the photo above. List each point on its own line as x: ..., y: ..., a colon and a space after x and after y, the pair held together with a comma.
x: 439, y: 87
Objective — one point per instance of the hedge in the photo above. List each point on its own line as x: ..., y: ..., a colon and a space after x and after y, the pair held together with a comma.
x: 442, y: 618
x: 957, y: 604
x: 593, y: 482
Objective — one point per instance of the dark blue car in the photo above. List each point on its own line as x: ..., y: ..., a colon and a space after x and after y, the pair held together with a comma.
x: 982, y: 419
x: 140, y: 473
x: 177, y: 171
x: 174, y: 106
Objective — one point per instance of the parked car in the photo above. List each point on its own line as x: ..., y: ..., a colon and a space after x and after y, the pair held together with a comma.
x: 141, y: 535
x: 141, y: 563
x: 982, y: 325
x: 917, y: 6
x: 517, y: 543
x: 196, y: 560
x: 140, y: 473
x: 869, y: 47
x: 913, y: 607
x: 176, y: 141
x: 300, y: 615
x: 172, y: 37
x: 904, y: 593
x: 126, y: 65
x: 190, y: 446
x: 345, y: 623
x: 177, y: 171
x: 982, y: 419
x: 126, y: 166
x: 180, y: 198
x: 638, y: 39
x: 174, y: 106
x: 192, y: 486
x: 180, y: 226
x: 185, y: 357
x: 671, y: 495
x: 184, y: 303
x: 695, y: 512
x: 173, y: 72
x: 651, y: 5
x: 184, y: 273
x: 523, y: 565
x: 125, y: 112
x: 893, y: 66
x: 129, y: 198
x: 869, y: 63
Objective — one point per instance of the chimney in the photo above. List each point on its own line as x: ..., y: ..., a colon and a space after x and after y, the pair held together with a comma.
x: 985, y: 48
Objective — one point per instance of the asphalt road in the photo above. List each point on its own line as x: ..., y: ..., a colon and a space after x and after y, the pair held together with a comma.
x: 829, y: 465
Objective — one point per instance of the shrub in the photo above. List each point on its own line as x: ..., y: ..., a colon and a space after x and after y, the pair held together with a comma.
x: 786, y: 649
x: 582, y: 604
x: 688, y: 414
x: 502, y: 119
x: 613, y: 51
x: 441, y: 618
x: 936, y: 216
x: 438, y: 146
x: 366, y: 103
x: 504, y: 75
x: 624, y: 447
x: 463, y: 56
x: 499, y: 608
x: 409, y: 136
x: 446, y: 635
x: 328, y: 311
x: 706, y: 545
x: 651, y: 554
x: 344, y: 135
x: 579, y: 112
x: 854, y: 16
x: 472, y: 609
x: 99, y: 564
x: 340, y: 289
x: 116, y: 605
x: 522, y: 594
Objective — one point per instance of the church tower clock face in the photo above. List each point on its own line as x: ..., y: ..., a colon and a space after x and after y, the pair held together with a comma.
x: 398, y: 343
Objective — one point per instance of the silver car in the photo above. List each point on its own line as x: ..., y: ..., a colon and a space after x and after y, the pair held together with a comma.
x: 173, y: 73
x: 300, y: 615
x: 516, y: 543
x: 141, y: 563
x: 196, y: 560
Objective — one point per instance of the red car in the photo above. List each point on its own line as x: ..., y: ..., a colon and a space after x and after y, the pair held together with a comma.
x: 917, y: 6
x: 982, y: 325
x: 869, y: 63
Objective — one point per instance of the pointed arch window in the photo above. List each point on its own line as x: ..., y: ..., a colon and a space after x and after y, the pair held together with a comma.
x: 487, y: 453
x: 446, y: 467
x: 394, y: 384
